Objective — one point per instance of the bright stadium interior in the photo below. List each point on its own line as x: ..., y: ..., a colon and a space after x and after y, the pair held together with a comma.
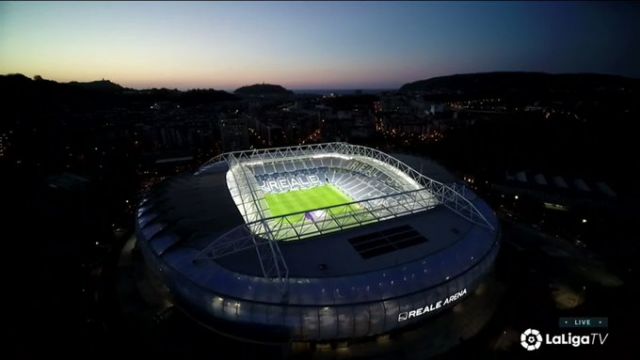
x: 288, y: 195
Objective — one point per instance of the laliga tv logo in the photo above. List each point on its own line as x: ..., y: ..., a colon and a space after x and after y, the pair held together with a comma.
x: 531, y: 339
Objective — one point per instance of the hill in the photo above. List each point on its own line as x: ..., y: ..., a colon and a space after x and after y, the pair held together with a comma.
x: 99, y: 85
x: 522, y: 83
x: 22, y: 91
x: 263, y: 89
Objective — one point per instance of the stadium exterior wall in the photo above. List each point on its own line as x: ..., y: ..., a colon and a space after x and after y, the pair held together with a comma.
x: 314, y: 323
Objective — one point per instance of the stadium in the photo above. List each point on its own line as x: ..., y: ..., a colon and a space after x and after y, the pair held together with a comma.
x: 315, y: 243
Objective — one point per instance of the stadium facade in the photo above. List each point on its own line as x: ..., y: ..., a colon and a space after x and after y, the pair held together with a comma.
x: 387, y: 246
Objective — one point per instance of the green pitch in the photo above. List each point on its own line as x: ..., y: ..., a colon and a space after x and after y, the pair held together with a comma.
x: 308, y: 199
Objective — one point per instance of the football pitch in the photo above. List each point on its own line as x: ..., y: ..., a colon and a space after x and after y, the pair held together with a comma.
x: 308, y: 199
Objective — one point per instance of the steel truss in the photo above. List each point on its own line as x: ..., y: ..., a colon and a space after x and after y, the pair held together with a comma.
x: 263, y: 232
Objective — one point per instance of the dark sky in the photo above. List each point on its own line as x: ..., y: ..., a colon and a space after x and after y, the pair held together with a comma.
x: 313, y: 45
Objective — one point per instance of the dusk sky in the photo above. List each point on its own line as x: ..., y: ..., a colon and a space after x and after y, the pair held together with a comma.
x: 312, y: 45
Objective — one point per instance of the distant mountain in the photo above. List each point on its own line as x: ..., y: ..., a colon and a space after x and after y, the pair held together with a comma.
x: 100, y: 85
x: 263, y: 89
x: 23, y: 91
x: 504, y: 83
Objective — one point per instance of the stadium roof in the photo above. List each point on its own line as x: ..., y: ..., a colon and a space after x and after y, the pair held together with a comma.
x: 199, y: 209
x: 417, y: 199
x: 193, y: 225
x: 263, y: 232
